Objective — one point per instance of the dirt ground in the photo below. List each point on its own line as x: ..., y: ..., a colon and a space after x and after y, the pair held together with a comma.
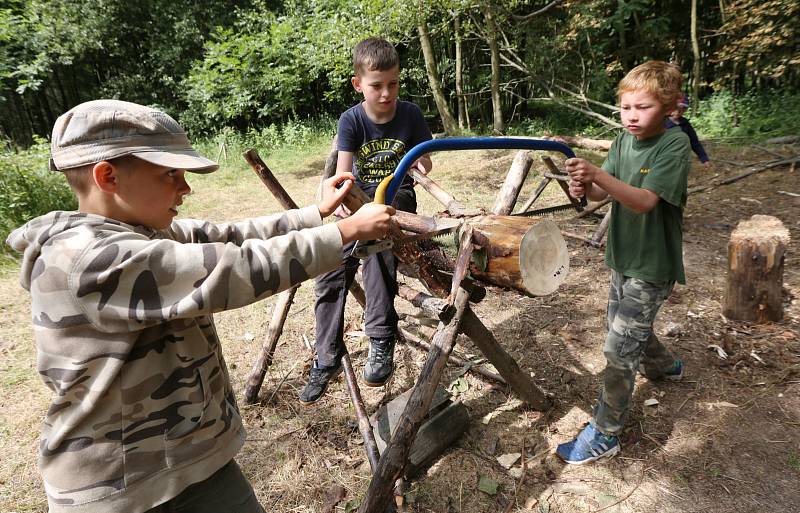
x: 726, y: 438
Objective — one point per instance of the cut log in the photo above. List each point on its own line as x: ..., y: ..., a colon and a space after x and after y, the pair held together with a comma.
x: 507, y: 197
x: 756, y: 254
x: 524, y: 253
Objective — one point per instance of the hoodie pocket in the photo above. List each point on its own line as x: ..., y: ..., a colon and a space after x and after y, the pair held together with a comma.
x: 181, y: 441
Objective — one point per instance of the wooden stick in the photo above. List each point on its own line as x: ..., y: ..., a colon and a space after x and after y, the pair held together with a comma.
x: 259, y: 370
x: 445, y: 198
x: 330, y: 167
x: 581, y: 238
x: 507, y: 197
x: 485, y: 340
x: 564, y: 187
x: 364, y: 425
x: 775, y: 163
x: 465, y: 248
x: 415, y: 341
x: 394, y: 457
x: 602, y: 229
x: 538, y: 192
x: 591, y: 209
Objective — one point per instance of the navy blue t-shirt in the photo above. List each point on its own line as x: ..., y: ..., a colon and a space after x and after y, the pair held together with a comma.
x: 378, y: 148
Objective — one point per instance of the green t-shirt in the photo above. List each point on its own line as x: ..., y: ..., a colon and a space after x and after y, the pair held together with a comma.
x: 649, y: 246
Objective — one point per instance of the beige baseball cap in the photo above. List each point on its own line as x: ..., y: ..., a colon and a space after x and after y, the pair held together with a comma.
x: 106, y: 129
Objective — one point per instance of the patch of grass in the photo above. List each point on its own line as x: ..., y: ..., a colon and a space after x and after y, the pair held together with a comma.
x: 794, y: 460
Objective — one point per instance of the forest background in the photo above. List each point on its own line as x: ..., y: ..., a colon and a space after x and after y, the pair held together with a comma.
x: 276, y: 72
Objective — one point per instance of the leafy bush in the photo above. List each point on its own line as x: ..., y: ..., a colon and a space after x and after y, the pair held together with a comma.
x: 763, y: 115
x: 28, y: 189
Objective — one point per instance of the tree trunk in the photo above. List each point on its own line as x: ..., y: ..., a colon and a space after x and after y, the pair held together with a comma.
x: 755, y: 270
x: 696, y: 63
x: 433, y: 78
x: 524, y: 253
x: 494, y: 52
x: 460, y: 100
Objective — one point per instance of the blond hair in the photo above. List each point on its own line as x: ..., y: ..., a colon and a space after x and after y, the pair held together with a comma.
x: 374, y: 54
x: 659, y: 78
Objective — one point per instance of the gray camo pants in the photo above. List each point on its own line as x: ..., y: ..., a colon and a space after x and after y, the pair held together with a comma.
x: 632, y: 308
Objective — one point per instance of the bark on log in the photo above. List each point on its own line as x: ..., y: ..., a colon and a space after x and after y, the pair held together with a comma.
x: 756, y: 253
x: 524, y: 253
x: 507, y: 197
x: 393, y: 461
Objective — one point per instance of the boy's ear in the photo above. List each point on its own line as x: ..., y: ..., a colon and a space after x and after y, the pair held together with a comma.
x: 105, y: 176
x: 356, y: 81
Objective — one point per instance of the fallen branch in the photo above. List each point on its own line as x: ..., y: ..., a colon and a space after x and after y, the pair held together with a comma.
x: 774, y: 163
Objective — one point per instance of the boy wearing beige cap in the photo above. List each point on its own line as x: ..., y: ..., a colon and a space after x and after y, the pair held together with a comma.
x: 143, y: 417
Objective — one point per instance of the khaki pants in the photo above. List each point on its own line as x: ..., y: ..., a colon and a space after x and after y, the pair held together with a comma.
x: 226, y: 491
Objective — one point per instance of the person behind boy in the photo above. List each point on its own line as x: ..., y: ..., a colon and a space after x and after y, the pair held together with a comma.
x: 645, y: 174
x: 676, y: 118
x: 372, y: 138
x: 143, y: 416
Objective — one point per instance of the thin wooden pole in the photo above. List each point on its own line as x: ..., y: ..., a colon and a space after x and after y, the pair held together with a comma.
x: 394, y: 457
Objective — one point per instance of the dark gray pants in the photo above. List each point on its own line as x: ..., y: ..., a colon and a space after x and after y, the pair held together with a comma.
x: 632, y: 308
x: 226, y: 491
x: 380, y: 287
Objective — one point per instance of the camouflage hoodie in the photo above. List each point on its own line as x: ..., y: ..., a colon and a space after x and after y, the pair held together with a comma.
x: 142, y: 403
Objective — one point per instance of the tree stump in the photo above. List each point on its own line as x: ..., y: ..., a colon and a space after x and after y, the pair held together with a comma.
x: 755, y: 270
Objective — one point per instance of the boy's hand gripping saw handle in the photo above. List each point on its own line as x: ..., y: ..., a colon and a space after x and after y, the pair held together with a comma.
x: 387, y: 189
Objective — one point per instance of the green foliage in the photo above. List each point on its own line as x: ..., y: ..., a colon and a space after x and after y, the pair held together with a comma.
x: 757, y: 115
x: 28, y: 189
x: 291, y: 135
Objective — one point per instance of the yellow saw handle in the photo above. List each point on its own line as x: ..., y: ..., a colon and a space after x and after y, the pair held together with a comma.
x: 380, y: 192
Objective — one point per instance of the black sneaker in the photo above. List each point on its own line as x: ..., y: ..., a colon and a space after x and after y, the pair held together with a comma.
x: 318, y: 379
x: 380, y: 362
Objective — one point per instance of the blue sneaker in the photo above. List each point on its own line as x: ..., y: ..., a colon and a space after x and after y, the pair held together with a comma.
x: 588, y: 446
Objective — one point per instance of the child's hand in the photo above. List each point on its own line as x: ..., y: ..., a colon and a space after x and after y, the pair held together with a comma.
x: 332, y: 194
x: 581, y: 170
x: 370, y: 222
x: 707, y: 163
x: 576, y: 189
